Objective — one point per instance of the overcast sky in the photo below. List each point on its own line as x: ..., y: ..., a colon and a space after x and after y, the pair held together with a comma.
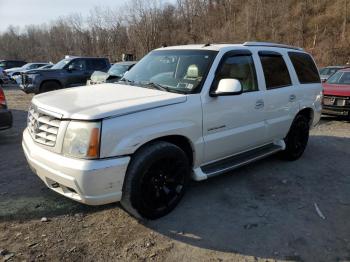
x: 27, y: 12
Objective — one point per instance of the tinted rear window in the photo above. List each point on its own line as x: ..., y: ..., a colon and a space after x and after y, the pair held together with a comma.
x: 304, y: 67
x: 275, y: 70
x: 97, y: 64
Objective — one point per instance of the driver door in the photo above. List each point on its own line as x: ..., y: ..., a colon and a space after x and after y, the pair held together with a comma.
x: 234, y: 123
x: 77, y: 73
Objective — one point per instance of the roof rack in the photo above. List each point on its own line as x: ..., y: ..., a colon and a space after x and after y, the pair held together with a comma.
x: 269, y: 44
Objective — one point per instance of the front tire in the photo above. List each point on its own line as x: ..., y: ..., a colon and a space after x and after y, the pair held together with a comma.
x: 296, y: 139
x: 49, y: 86
x: 156, y: 180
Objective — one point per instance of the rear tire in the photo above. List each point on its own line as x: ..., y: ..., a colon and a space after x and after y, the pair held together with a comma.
x: 296, y: 139
x: 156, y: 180
x: 49, y: 86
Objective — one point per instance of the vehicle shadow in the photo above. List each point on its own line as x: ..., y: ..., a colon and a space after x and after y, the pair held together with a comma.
x: 23, y: 195
x: 328, y: 118
x: 268, y: 209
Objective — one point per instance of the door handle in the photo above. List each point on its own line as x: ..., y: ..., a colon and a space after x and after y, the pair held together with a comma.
x: 292, y: 98
x: 259, y: 104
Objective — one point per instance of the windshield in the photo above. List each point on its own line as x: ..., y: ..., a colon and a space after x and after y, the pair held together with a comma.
x: 118, y: 70
x: 329, y: 70
x: 340, y: 78
x: 322, y: 71
x: 61, y: 64
x: 180, y: 71
x: 28, y: 66
x: 45, y: 67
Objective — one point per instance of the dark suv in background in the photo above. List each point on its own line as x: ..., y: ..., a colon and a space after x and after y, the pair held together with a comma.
x: 69, y: 72
x: 7, y: 64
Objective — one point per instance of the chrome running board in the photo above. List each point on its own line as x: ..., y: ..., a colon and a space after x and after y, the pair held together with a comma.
x: 233, y: 162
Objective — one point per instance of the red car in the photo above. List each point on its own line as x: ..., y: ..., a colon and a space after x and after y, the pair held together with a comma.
x: 5, y: 114
x: 336, y: 94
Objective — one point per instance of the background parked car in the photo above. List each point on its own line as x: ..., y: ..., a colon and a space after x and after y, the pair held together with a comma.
x: 18, y: 78
x: 69, y: 72
x: 7, y: 64
x: 326, y: 72
x: 336, y: 90
x: 114, y: 74
x: 3, y: 77
x: 17, y: 70
x: 5, y: 114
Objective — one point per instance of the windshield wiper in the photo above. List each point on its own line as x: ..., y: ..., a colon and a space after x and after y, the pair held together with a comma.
x: 126, y: 81
x: 152, y: 85
x: 158, y: 86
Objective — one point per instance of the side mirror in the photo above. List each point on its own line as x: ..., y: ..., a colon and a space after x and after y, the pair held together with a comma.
x: 228, y: 87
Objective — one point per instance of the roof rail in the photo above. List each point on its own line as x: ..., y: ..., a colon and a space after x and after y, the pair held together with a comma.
x: 269, y: 44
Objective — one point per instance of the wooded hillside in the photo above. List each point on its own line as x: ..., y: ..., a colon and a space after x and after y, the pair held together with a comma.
x: 320, y: 26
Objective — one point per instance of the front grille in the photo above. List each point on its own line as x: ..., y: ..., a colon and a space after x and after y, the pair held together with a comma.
x: 43, y: 128
x: 26, y: 79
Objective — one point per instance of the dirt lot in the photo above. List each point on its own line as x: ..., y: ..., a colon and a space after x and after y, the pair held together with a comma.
x: 264, y: 211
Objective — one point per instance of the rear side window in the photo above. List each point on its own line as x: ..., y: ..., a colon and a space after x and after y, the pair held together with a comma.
x: 304, y: 67
x: 97, y: 64
x: 275, y: 70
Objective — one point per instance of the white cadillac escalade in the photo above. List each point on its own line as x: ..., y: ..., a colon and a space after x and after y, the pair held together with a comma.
x: 182, y: 112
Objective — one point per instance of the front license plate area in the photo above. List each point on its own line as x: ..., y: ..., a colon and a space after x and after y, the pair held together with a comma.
x: 328, y: 101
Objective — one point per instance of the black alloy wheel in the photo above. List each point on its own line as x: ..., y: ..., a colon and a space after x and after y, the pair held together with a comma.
x: 156, y: 180
x: 297, y: 138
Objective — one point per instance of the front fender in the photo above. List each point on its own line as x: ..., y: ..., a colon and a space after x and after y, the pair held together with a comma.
x: 125, y: 134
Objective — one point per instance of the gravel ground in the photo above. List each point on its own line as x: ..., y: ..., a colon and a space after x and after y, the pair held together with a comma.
x: 262, y: 212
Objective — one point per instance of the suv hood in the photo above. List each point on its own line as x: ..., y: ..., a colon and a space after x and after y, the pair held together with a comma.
x: 44, y: 71
x: 336, y: 90
x: 104, y: 100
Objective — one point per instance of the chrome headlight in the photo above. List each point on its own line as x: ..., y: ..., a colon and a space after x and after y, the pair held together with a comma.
x: 82, y: 140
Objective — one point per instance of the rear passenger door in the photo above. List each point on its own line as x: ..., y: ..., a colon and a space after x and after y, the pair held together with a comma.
x: 281, y: 98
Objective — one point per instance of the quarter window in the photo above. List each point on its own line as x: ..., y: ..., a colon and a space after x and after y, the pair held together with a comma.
x: 304, y: 67
x: 241, y: 68
x: 275, y: 70
x: 97, y: 64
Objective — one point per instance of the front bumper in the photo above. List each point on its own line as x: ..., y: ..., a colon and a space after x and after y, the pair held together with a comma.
x: 5, y: 119
x: 92, y: 182
x: 336, y: 110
